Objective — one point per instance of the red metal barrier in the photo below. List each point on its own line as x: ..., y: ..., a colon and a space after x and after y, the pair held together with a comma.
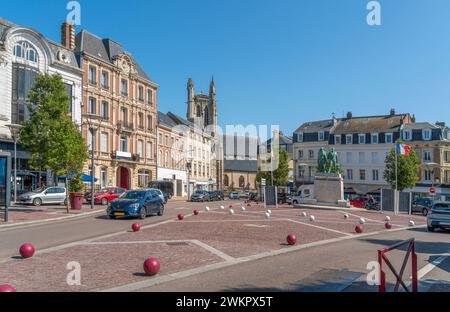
x: 382, y: 258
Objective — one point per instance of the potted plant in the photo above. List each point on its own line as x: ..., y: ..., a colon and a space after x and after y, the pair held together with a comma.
x: 76, y: 193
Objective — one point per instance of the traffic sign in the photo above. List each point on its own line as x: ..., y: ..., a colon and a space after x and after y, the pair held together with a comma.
x: 432, y: 190
x: 263, y: 182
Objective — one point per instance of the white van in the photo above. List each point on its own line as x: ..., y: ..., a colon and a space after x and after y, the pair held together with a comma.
x: 304, y: 192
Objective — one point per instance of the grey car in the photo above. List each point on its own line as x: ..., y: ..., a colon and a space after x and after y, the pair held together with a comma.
x: 439, y: 217
x: 43, y: 196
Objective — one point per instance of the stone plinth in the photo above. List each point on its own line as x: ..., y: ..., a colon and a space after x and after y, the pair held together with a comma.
x: 329, y: 188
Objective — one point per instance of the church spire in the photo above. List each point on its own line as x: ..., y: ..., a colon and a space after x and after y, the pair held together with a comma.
x: 212, y: 87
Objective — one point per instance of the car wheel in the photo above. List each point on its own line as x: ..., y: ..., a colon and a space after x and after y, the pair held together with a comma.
x: 105, y: 201
x: 111, y: 217
x: 430, y: 229
x: 295, y: 202
x: 143, y: 214
x: 37, y: 202
x: 161, y: 211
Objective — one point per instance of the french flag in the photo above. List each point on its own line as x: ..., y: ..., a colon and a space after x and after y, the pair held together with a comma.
x: 403, y: 149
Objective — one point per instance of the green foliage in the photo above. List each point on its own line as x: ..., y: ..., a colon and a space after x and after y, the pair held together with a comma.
x: 51, y: 137
x: 280, y: 174
x: 76, y: 184
x: 407, y: 171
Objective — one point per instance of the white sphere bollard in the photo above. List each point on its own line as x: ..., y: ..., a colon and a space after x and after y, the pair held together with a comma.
x: 222, y: 207
x: 387, y: 219
x: 346, y: 216
x: 267, y: 215
x: 312, y: 218
x: 231, y: 212
x: 207, y: 209
x: 362, y: 221
x: 269, y: 211
x: 304, y: 215
x: 412, y: 223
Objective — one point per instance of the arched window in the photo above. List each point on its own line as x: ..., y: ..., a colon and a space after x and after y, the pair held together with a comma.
x: 199, y: 111
x: 24, y: 50
x: 242, y: 182
x: 226, y: 181
x: 206, y: 116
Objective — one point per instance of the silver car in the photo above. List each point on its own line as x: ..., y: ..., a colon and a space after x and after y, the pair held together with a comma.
x: 43, y: 196
x: 439, y: 217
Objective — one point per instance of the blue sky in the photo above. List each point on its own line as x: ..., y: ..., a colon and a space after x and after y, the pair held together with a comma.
x: 276, y: 62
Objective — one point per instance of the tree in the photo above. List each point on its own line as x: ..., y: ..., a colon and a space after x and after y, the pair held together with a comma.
x: 408, y: 168
x: 51, y: 137
x: 280, y: 174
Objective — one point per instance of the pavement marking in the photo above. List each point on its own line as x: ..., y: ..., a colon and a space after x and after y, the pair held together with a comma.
x: 235, y: 221
x: 320, y: 227
x: 183, y: 274
x: 431, y: 266
x: 200, y: 244
x: 256, y: 225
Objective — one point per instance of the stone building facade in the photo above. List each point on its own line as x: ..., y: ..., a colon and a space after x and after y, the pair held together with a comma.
x: 120, y: 104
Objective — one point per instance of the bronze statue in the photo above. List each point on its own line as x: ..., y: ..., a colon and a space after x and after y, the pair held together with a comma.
x: 328, y: 162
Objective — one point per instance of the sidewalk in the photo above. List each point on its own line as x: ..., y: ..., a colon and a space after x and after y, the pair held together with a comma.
x: 26, y: 215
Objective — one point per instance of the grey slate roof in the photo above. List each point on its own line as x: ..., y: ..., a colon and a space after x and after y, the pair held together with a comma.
x: 241, y: 165
x: 180, y: 120
x: 165, y: 120
x: 369, y: 124
x: 420, y: 126
x: 316, y: 126
x: 104, y: 49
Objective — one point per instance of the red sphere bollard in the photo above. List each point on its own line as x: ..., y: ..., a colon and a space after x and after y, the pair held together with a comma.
x: 136, y: 227
x: 7, y: 288
x: 292, y: 239
x: 388, y: 226
x: 181, y: 217
x: 359, y: 229
x: 231, y: 206
x: 196, y: 212
x: 152, y: 266
x: 27, y: 251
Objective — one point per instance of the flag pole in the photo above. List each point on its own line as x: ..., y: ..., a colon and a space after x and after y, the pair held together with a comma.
x: 396, y: 196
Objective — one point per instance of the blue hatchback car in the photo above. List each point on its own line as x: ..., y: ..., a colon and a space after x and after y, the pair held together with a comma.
x: 136, y: 204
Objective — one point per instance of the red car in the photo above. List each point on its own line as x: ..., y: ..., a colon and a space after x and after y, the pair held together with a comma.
x: 363, y: 201
x: 105, y: 196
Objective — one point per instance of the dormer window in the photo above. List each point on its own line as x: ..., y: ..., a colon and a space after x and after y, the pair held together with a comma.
x: 300, y: 137
x: 322, y: 136
x: 24, y: 50
x: 337, y: 139
x: 407, y: 135
x: 349, y: 139
x: 362, y: 139
x: 374, y: 138
x: 426, y: 134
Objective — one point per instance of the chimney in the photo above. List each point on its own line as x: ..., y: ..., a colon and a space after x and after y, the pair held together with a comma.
x: 392, y: 112
x: 440, y: 124
x: 349, y: 115
x: 68, y: 35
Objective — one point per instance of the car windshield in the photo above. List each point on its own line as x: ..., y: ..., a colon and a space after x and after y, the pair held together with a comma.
x: 442, y: 207
x: 39, y: 190
x: 134, y: 195
x: 104, y: 191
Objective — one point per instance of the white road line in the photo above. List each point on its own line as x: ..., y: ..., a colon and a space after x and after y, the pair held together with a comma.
x: 320, y: 227
x: 431, y: 266
x: 200, y: 244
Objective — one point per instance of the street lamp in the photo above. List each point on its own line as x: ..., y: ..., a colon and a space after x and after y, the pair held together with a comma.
x: 15, y: 132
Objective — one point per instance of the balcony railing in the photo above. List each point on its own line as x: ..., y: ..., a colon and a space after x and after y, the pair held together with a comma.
x: 125, y: 126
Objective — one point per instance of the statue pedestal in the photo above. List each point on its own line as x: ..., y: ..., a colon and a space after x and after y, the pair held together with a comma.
x: 329, y: 189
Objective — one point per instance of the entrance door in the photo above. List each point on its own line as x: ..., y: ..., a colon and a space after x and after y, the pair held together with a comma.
x: 123, y: 178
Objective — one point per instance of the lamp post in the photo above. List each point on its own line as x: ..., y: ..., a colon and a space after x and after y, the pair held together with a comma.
x: 431, y: 166
x: 15, y: 131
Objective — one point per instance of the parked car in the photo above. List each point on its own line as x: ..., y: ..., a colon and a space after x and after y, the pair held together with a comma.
x: 136, y: 204
x: 234, y: 195
x: 282, y: 198
x: 200, y: 196
x: 220, y: 195
x: 166, y: 197
x: 43, y: 196
x: 105, y: 196
x: 422, y: 205
x: 214, y: 196
x: 439, y: 218
x: 164, y: 186
x: 364, y: 201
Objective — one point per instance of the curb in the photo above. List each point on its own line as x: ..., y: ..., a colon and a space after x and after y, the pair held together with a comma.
x: 43, y: 221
